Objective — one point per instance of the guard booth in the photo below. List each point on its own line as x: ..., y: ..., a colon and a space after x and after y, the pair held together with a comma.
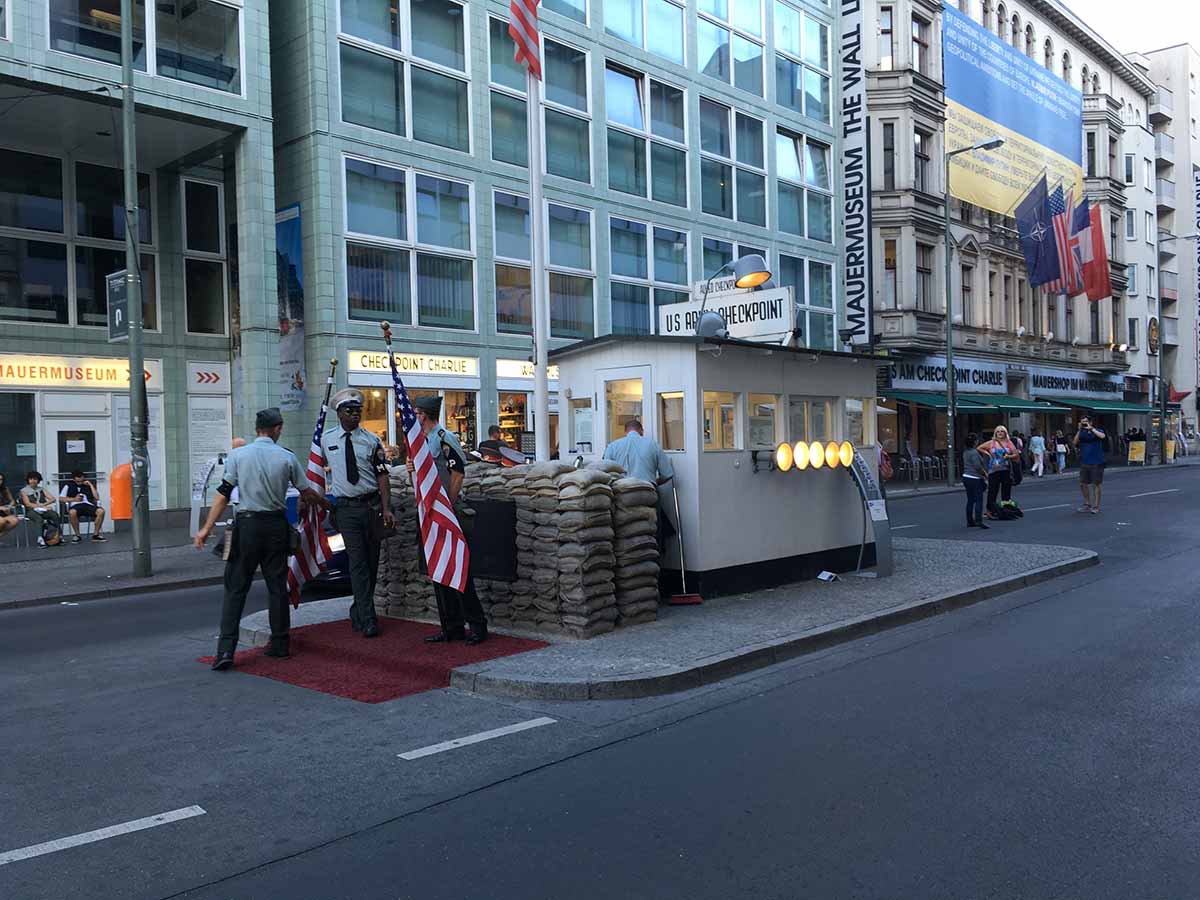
x: 720, y: 408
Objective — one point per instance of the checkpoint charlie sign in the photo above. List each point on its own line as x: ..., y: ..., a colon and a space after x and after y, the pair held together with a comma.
x: 749, y: 315
x: 928, y: 373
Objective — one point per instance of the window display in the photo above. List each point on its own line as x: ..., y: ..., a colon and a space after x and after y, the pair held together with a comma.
x: 511, y: 412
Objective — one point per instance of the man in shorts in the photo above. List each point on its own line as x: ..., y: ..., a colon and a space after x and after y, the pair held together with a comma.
x: 83, y: 503
x: 1090, y: 441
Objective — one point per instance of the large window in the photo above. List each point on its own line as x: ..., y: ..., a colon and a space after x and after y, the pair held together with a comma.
x: 510, y: 129
x: 572, y: 9
x: 763, y: 415
x: 721, y: 430
x: 811, y: 282
x: 718, y: 253
x: 924, y: 296
x: 968, y: 294
x: 802, y: 63
x: 514, y: 303
x: 569, y: 262
x: 889, y: 274
x: 804, y: 187
x: 920, y: 45
x: 415, y: 87
x: 921, y: 143
x: 204, y: 258
x: 647, y: 137
x: 1130, y: 224
x: 567, y: 112
x: 733, y: 176
x: 729, y: 41
x: 409, y: 247
x: 92, y: 28
x: 649, y: 267
x: 1129, y: 168
x: 887, y: 39
x: 656, y: 25
x: 889, y: 156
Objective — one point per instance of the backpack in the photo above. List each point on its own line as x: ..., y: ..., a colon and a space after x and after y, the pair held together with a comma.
x: 51, y: 535
x: 885, y: 466
x: 1009, y: 510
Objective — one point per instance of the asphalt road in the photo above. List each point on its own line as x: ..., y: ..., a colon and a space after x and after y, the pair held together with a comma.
x: 1038, y: 745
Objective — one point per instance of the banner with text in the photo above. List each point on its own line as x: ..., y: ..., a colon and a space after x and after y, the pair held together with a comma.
x: 749, y: 315
x: 289, y: 285
x: 928, y: 373
x: 1073, y: 385
x: 993, y: 90
x: 854, y: 165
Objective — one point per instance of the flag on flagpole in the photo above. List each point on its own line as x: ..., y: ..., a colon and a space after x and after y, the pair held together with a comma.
x: 1080, y: 236
x: 1037, y: 234
x: 1060, y: 210
x: 523, y: 29
x: 446, y: 555
x: 1097, y: 279
x: 314, y: 545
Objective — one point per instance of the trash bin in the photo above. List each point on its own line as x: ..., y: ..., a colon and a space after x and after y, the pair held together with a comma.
x: 120, y: 486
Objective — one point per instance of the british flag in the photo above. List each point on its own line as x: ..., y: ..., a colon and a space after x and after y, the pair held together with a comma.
x: 446, y: 555
x: 1070, y: 281
x: 314, y: 545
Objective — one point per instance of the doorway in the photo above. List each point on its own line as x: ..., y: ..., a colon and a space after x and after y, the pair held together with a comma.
x: 84, y: 444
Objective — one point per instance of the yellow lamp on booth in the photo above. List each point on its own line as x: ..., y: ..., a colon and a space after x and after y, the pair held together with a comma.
x: 831, y: 455
x: 816, y: 455
x: 783, y: 457
x: 800, y: 455
x: 846, y: 453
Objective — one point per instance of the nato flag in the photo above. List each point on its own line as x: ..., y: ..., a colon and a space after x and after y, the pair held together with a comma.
x: 1035, y: 226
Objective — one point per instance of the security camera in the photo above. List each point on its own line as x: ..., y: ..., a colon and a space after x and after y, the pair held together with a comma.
x: 845, y: 334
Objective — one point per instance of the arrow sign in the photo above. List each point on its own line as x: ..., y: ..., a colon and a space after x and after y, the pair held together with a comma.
x: 207, y: 377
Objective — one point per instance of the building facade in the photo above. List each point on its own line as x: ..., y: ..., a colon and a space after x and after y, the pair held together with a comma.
x: 676, y: 137
x: 1021, y: 342
x: 206, y: 198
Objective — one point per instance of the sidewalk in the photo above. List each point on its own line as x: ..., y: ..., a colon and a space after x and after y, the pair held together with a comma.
x: 695, y: 645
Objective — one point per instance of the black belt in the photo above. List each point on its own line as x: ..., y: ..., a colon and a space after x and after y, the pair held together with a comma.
x: 372, y: 497
x: 255, y: 514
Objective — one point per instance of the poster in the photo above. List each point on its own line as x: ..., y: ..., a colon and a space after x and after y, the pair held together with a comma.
x: 210, y: 431
x: 154, y: 442
x: 289, y: 251
x: 854, y: 165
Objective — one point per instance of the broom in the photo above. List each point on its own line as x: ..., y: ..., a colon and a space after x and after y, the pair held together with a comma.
x: 683, y: 598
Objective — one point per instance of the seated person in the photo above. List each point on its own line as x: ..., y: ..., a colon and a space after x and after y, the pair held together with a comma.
x: 8, y: 507
x: 494, y: 442
x: 82, y: 503
x: 40, y: 505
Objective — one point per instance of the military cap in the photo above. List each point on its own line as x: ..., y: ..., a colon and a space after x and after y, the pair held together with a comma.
x: 346, y: 397
x: 268, y: 418
x: 431, y: 406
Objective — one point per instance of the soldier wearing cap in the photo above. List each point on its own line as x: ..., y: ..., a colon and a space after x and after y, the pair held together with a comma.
x: 359, y: 483
x: 261, y: 471
x: 455, y: 609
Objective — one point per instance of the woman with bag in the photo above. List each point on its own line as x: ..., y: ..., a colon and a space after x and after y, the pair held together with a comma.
x: 998, y: 453
x: 1037, y: 450
x: 975, y: 481
x: 1060, y: 451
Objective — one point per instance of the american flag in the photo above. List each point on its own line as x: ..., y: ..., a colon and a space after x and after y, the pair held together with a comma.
x: 314, y: 545
x: 446, y: 555
x: 1070, y: 281
x: 523, y: 29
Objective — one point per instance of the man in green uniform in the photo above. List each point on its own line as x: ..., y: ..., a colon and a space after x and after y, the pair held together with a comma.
x: 261, y: 471
x: 455, y: 609
x: 359, y: 483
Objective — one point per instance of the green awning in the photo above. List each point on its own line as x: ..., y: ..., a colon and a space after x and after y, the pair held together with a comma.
x: 1118, y: 406
x: 935, y: 401
x: 1012, y: 404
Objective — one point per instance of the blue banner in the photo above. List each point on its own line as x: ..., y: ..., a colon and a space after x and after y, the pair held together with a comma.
x: 289, y: 266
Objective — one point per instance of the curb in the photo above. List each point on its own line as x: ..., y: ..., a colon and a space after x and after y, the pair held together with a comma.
x: 710, y: 670
x: 1070, y: 477
x: 110, y: 593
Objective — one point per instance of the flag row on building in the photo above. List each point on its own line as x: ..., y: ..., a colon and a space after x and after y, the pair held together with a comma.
x: 1063, y: 243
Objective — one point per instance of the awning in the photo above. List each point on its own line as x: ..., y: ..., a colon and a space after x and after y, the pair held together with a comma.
x: 935, y: 401
x: 1117, y: 406
x: 1012, y: 404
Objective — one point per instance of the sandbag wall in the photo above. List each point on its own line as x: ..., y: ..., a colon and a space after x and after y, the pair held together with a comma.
x: 587, y: 553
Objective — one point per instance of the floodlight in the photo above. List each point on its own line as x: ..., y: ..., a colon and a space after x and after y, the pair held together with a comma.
x: 846, y: 453
x: 816, y: 455
x: 831, y: 455
x: 800, y: 454
x: 783, y: 457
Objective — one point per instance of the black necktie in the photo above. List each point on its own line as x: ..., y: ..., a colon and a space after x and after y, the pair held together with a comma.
x: 351, y: 461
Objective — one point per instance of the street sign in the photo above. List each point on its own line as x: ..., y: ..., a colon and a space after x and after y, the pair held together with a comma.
x: 118, y: 307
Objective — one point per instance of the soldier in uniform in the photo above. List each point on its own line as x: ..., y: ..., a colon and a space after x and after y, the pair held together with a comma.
x: 261, y: 471
x: 455, y: 609
x: 359, y: 482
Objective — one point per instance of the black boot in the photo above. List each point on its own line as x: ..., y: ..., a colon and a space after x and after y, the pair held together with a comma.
x: 443, y: 637
x: 478, y: 634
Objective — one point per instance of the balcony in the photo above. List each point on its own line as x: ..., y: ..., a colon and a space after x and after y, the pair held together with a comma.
x: 1165, y: 194
x: 1170, y: 330
x: 1164, y: 148
x: 1166, y: 244
x: 1162, y: 105
x: 1168, y: 285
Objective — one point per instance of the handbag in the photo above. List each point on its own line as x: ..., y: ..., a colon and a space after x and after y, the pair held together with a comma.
x: 1014, y: 471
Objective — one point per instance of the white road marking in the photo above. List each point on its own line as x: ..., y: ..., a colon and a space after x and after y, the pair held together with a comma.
x: 1152, y: 493
x: 1040, y: 508
x: 100, y: 834
x: 902, y: 527
x: 475, y: 738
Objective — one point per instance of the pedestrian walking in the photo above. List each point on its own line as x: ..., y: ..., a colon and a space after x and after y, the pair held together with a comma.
x: 455, y: 609
x: 975, y: 481
x: 362, y: 501
x: 1060, y: 451
x: 998, y: 453
x: 1037, y: 449
x: 262, y: 472
x: 1090, y: 441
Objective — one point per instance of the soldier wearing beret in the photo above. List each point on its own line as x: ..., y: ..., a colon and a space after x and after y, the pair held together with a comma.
x: 359, y: 483
x: 261, y: 471
x: 455, y: 609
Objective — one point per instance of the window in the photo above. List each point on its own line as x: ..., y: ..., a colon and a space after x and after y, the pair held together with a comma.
x: 1150, y: 228
x: 920, y: 45
x: 655, y: 25
x: 649, y: 266
x: 729, y: 41
x: 1131, y: 274
x: 924, y: 296
x: 422, y: 275
x: 1030, y: 41
x: 809, y: 420
x: 968, y: 294
x: 1112, y: 157
x: 1151, y: 284
x: 567, y: 107
x: 733, y: 179
x: 199, y: 42
x: 811, y: 282
x: 1129, y: 176
x: 671, y: 432
x: 1090, y: 168
x: 803, y: 186
x: 572, y: 9
x: 622, y: 402
x: 721, y: 421
x: 921, y: 143
x: 889, y: 274
x: 802, y: 66
x: 432, y: 96
x: 889, y: 156
x: 572, y: 278
x: 1132, y: 326
x: 763, y: 412
x: 3, y: 25
x: 203, y: 264
x: 92, y: 28
x: 1148, y: 170
x: 1049, y: 55
x: 510, y: 130
x: 1066, y: 67
x: 887, y: 41
x: 1094, y: 322
x: 1004, y: 322
x: 1130, y: 224
x: 647, y: 147
x: 514, y: 297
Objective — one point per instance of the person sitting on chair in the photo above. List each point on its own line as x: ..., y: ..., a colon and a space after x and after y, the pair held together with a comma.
x: 81, y: 497
x: 8, y: 508
x: 40, y: 507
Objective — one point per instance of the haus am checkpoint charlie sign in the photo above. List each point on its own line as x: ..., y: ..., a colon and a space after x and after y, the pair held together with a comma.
x: 749, y: 315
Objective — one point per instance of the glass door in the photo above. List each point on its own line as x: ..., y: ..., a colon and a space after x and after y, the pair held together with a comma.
x: 624, y: 397
x: 79, y: 444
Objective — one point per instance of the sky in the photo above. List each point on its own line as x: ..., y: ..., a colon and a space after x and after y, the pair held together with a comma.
x: 1142, y: 25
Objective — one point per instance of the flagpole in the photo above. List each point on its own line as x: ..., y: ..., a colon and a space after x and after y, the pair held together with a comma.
x: 537, y: 275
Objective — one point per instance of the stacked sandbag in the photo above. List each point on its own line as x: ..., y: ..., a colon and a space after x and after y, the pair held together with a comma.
x: 401, y: 591
x: 635, y: 549
x: 585, y: 553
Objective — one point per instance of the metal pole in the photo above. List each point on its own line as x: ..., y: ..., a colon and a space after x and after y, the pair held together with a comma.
x: 951, y: 381
x: 1162, y: 399
x: 537, y: 274
x: 138, y: 429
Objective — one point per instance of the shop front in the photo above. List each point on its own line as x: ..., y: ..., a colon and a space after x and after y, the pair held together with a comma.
x: 59, y: 414
x: 514, y: 403
x: 1100, y: 397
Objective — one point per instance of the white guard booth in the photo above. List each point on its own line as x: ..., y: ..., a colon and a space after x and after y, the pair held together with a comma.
x: 720, y: 408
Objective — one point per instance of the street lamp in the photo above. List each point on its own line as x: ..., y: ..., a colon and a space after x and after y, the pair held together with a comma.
x: 951, y: 386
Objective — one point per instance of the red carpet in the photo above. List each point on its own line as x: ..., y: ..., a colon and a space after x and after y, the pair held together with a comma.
x: 333, y: 659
